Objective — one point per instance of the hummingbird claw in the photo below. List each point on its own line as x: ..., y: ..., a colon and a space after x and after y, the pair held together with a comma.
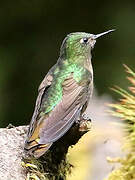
x: 86, y: 117
x: 85, y: 125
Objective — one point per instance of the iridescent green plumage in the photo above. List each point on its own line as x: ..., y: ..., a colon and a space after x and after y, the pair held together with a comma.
x: 63, y: 94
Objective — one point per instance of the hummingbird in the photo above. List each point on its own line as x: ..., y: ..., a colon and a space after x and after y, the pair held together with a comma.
x: 64, y: 93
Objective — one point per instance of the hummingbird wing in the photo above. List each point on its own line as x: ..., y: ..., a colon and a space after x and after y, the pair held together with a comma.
x: 45, y: 84
x: 31, y: 143
x: 65, y: 113
x: 49, y: 128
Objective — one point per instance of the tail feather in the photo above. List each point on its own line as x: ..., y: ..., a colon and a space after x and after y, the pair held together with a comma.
x: 41, y: 150
x: 36, y: 149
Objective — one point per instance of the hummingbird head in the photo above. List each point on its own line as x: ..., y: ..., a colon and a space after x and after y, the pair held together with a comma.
x: 79, y: 44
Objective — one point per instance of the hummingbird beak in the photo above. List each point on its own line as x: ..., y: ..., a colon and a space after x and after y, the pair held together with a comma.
x: 101, y: 34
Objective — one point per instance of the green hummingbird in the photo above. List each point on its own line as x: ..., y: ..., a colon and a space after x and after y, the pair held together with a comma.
x: 64, y: 93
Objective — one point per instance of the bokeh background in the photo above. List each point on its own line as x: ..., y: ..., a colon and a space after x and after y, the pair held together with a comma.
x: 31, y: 33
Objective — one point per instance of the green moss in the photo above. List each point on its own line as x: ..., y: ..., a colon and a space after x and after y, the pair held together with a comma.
x: 125, y: 109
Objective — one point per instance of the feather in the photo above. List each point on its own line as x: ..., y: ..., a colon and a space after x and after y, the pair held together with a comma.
x: 52, y: 126
x: 64, y: 114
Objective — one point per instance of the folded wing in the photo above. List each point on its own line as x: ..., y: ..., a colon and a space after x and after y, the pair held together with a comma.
x: 55, y: 124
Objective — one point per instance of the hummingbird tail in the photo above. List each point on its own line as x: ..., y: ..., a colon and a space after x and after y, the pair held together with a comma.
x: 35, y: 149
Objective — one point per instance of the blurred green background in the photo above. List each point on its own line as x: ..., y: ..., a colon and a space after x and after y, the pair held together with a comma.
x: 31, y: 32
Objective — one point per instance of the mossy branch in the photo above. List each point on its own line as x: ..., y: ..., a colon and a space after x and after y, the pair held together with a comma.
x: 54, y: 164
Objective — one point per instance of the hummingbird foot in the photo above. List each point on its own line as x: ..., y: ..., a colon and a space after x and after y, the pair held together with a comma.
x: 84, y: 123
x: 85, y: 117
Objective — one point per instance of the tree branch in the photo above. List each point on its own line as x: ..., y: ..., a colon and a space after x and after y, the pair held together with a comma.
x: 11, y: 152
x: 53, y: 165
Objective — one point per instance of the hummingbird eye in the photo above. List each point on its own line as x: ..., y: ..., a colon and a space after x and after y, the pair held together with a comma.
x: 84, y: 40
